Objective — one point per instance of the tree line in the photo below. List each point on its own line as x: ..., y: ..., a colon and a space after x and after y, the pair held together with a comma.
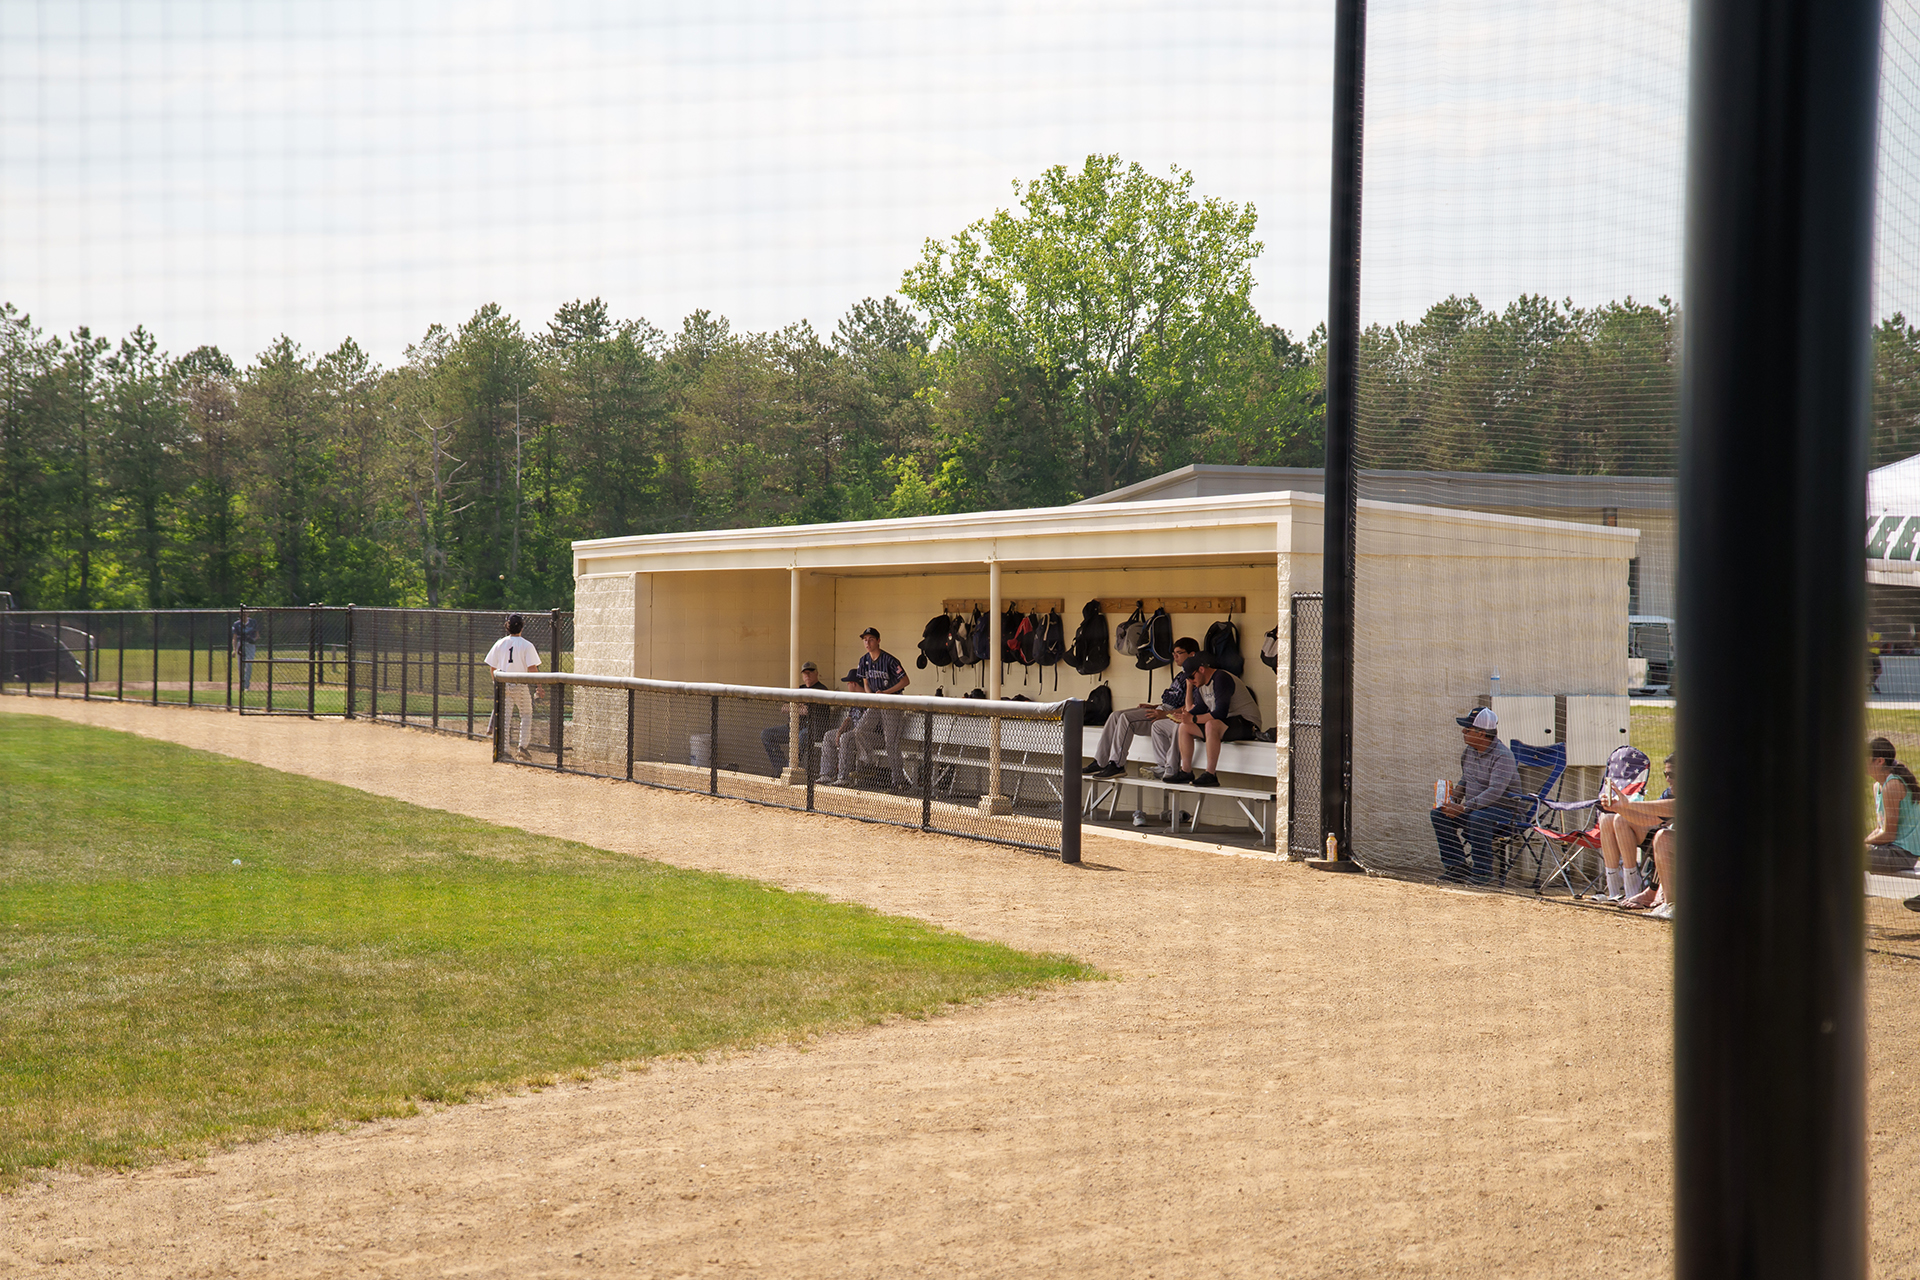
x: 1097, y: 333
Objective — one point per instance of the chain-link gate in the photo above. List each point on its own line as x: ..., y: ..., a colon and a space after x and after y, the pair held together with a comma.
x: 1303, y: 728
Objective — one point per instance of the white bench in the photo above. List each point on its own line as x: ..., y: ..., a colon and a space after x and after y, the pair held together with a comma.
x: 964, y: 742
x: 1256, y: 805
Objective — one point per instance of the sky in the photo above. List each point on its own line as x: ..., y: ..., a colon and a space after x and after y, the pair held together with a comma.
x: 224, y: 172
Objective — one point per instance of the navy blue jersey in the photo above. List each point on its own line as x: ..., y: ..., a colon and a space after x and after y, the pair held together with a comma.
x: 880, y: 672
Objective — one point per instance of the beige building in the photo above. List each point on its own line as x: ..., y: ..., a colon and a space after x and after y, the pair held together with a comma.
x: 747, y: 606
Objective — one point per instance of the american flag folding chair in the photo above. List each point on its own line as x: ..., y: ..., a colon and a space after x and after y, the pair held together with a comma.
x: 1626, y: 774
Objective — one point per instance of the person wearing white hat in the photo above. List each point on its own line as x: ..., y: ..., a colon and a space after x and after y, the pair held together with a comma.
x: 1479, y: 808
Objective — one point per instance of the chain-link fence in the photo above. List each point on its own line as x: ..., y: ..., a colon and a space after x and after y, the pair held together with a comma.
x: 1303, y: 727
x: 427, y: 667
x: 1003, y: 772
x: 418, y: 667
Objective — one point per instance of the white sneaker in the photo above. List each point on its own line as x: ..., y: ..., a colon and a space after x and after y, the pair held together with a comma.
x: 842, y: 782
x: 1662, y: 912
x: 1139, y: 818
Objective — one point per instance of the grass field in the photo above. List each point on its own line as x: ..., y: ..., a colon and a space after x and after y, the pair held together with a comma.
x: 196, y: 950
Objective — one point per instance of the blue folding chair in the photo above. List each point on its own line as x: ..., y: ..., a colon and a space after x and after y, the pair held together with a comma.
x: 1553, y: 762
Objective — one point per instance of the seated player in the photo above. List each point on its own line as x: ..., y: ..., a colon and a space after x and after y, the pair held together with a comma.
x: 1221, y: 709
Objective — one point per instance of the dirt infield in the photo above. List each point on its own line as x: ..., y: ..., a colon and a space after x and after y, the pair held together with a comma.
x: 1291, y: 1074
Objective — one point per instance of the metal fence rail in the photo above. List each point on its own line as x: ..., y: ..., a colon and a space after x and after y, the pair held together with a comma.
x: 418, y: 667
x: 1002, y: 772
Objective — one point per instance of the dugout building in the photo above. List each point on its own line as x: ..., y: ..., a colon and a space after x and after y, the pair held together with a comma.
x: 1448, y: 597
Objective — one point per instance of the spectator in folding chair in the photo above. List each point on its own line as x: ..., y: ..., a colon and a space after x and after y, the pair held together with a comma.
x: 1620, y: 834
x: 1481, y: 806
x: 1657, y: 899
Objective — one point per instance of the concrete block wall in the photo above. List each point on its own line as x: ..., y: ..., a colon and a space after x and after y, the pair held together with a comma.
x: 603, y: 617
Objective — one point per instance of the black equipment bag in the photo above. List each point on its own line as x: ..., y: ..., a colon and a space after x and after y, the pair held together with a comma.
x: 1099, y: 706
x: 1090, y: 654
x: 981, y: 629
x: 1156, y: 650
x: 1222, y: 647
x: 936, y: 642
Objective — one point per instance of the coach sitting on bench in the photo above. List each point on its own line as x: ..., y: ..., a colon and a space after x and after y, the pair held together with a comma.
x: 1480, y: 805
x: 1220, y: 709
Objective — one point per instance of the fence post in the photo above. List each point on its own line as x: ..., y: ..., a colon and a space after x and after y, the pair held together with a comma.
x: 313, y: 642
x: 156, y: 660
x: 230, y: 644
x: 559, y: 728
x: 434, y: 618
x: 467, y: 663
x: 405, y: 635
x: 559, y: 691
x: 1072, y: 722
x: 499, y: 721
x: 713, y: 747
x: 55, y: 655
x: 350, y: 673
x: 630, y: 735
x: 926, y: 770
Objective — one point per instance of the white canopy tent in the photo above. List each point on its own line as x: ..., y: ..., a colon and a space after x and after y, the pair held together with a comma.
x: 1893, y: 523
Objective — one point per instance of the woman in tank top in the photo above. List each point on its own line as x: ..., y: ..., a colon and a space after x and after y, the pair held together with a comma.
x: 1895, y: 838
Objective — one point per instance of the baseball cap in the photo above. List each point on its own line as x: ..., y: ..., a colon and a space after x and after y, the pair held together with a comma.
x: 809, y: 666
x: 869, y: 632
x: 852, y: 677
x: 1193, y: 664
x: 1483, y: 719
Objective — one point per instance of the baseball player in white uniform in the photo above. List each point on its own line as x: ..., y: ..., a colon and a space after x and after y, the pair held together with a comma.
x: 513, y: 652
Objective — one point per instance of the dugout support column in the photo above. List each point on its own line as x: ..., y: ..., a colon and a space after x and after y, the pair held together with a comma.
x: 1769, y: 1013
x: 993, y: 801
x: 794, y: 774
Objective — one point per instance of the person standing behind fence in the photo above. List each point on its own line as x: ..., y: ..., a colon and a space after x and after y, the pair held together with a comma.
x: 246, y: 635
x: 881, y: 672
x: 513, y: 652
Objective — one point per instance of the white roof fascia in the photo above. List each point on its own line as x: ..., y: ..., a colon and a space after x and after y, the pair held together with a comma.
x: 1189, y: 530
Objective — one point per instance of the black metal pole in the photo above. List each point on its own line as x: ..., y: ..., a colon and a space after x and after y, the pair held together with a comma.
x: 352, y: 679
x: 629, y: 735
x: 498, y: 724
x: 1343, y: 385
x: 713, y: 748
x: 558, y: 709
x: 926, y: 771
x: 1769, y: 1018
x: 193, y: 652
x: 1072, y: 742
x: 155, y: 687
x: 313, y: 646
x: 58, y: 645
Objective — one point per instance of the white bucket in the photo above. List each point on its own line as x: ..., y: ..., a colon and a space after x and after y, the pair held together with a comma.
x: 700, y: 750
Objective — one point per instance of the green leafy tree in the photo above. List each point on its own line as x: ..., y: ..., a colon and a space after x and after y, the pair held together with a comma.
x: 79, y: 490
x: 282, y: 431
x: 145, y: 442
x: 213, y: 524
x: 1105, y: 309
x: 29, y: 522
